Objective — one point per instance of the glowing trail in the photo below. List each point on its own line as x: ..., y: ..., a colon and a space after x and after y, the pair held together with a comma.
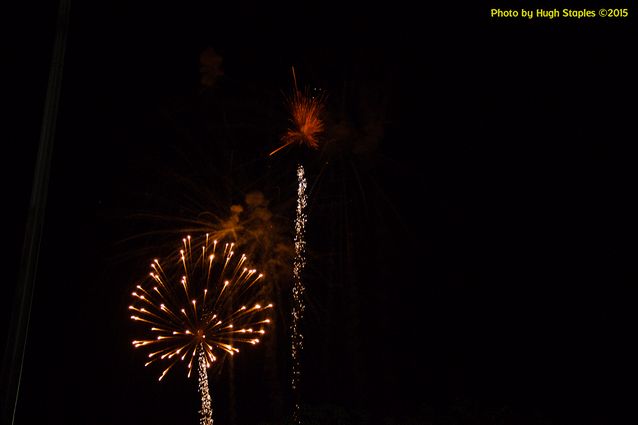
x: 298, y: 289
x: 206, y: 414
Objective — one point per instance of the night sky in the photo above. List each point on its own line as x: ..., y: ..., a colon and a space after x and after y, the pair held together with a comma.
x: 471, y: 231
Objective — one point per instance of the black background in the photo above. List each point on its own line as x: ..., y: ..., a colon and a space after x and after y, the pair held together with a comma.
x: 490, y: 235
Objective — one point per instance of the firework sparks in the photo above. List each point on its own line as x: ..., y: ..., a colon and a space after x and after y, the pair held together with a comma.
x: 305, y: 116
x: 201, y: 303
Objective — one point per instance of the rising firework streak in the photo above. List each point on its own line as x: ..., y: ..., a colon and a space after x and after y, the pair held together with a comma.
x: 305, y: 111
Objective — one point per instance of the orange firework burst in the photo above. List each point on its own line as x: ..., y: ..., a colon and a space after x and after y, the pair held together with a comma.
x: 307, y: 125
x: 203, y: 300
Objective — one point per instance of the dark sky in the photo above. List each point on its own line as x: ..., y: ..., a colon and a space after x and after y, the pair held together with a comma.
x: 472, y: 243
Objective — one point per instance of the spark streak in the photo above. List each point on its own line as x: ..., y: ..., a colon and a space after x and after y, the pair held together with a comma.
x: 298, y: 286
x: 206, y: 413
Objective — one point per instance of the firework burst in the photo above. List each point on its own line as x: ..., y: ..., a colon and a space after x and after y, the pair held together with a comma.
x: 305, y: 116
x: 198, y: 306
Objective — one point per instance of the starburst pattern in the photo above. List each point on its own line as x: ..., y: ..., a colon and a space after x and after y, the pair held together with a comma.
x: 202, y: 298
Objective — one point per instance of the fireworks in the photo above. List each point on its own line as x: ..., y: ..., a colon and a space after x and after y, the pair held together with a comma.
x: 202, y: 303
x: 307, y: 125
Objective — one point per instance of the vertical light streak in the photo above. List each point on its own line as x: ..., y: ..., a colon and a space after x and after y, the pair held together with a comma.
x: 206, y: 413
x: 298, y: 289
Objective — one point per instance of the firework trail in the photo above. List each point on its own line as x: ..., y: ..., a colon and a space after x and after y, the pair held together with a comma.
x: 189, y: 307
x: 206, y: 413
x: 307, y: 125
x: 298, y: 288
